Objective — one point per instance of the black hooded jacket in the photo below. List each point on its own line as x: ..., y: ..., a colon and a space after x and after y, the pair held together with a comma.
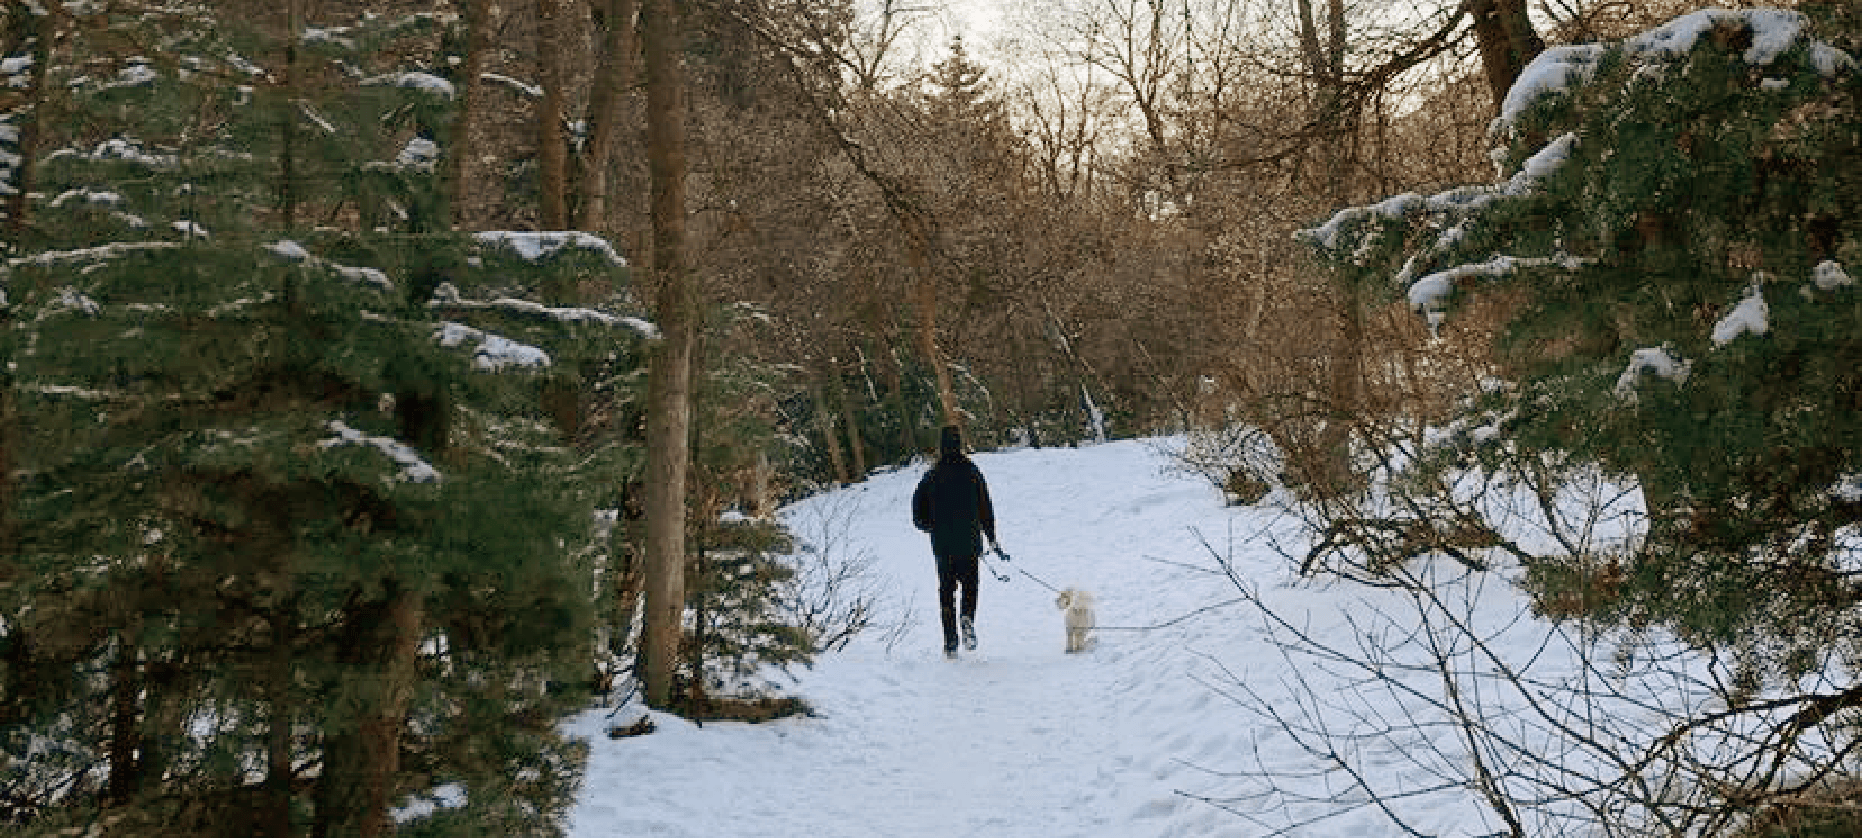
x: 952, y: 502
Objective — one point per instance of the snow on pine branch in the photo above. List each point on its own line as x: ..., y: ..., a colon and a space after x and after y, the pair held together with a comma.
x: 1559, y: 70
x: 419, y: 155
x: 1429, y: 295
x: 423, y: 82
x: 106, y: 198
x: 1656, y: 361
x: 446, y: 296
x: 1326, y: 236
x: 1352, y: 233
x: 522, y: 87
x: 535, y: 245
x: 1829, y: 276
x: 119, y: 149
x: 1751, y: 316
x: 413, y: 468
x: 291, y: 251
x: 494, y: 352
x: 112, y: 250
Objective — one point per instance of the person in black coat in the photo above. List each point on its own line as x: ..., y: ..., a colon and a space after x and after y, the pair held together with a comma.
x: 952, y: 504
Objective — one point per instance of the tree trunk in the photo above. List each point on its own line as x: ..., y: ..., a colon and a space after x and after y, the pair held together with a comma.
x: 278, y: 722
x: 552, y: 145
x: 762, y: 477
x: 849, y: 419
x: 381, y: 729
x: 1309, y: 40
x: 1503, y: 31
x: 7, y: 444
x: 613, y: 75
x: 126, y: 707
x: 824, y: 419
x: 926, y: 295
x: 669, y: 385
x: 362, y: 752
x: 1327, y: 462
x: 458, y: 158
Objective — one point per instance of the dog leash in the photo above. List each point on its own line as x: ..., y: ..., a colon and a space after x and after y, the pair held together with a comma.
x: 1018, y: 569
x: 1175, y: 620
x: 1000, y: 576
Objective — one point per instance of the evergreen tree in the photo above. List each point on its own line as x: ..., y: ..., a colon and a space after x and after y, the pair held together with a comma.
x: 1681, y: 223
x: 295, y: 513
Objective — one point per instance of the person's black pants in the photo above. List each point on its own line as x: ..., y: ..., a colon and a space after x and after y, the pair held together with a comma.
x: 954, y: 571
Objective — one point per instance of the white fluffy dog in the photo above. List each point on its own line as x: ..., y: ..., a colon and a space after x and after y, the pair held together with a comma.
x: 1080, y: 620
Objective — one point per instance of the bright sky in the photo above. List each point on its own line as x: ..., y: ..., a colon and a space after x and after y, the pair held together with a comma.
x: 980, y: 22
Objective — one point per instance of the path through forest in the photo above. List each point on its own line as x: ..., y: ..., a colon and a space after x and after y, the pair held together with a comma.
x: 1019, y: 740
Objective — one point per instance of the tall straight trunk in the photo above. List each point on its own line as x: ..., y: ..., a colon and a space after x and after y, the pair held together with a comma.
x: 669, y: 383
x: 613, y: 75
x: 850, y: 419
x: 276, y: 820
x: 459, y: 156
x: 362, y: 753
x: 824, y: 418
x: 1325, y: 64
x: 126, y: 707
x: 7, y: 443
x: 901, y: 406
x: 552, y: 144
x: 1309, y: 40
x: 381, y: 729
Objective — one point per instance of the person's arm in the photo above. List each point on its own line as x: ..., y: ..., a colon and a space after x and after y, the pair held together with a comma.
x: 921, y: 508
x: 986, y: 511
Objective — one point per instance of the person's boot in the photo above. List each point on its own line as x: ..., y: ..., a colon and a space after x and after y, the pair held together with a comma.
x: 950, y: 651
x: 969, y: 633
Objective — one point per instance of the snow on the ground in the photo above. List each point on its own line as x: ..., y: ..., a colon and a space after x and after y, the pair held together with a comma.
x: 1140, y: 736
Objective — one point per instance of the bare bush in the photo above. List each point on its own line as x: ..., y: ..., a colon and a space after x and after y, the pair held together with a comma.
x: 1455, y: 684
x: 834, y: 595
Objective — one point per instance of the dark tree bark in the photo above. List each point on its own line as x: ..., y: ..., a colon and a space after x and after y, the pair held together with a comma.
x: 362, y: 753
x: 1507, y: 42
x: 125, y: 710
x: 279, y: 718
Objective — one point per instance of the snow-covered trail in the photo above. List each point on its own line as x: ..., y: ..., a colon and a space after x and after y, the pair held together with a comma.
x: 1017, y: 740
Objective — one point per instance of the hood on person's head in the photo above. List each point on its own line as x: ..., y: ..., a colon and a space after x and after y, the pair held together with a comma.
x: 950, y: 443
